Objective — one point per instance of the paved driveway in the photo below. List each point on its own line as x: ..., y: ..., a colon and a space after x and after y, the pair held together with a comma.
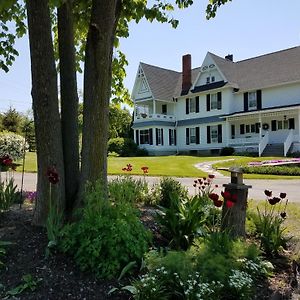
x: 291, y: 187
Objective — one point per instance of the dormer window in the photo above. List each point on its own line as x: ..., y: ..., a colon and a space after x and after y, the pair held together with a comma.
x: 210, y: 79
x: 207, y: 80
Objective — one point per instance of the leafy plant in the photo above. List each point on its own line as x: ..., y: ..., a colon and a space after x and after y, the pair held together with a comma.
x: 269, y: 224
x: 8, y: 194
x: 183, y: 220
x: 128, y: 189
x: 108, y: 236
x: 28, y: 283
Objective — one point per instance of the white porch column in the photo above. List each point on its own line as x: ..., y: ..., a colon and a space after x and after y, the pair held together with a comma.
x: 154, y: 107
x: 260, y: 126
x: 298, y: 124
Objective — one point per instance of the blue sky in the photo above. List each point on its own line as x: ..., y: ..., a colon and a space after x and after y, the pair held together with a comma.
x: 244, y: 28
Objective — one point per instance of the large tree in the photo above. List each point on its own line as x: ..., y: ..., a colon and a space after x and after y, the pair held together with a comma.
x: 101, y: 23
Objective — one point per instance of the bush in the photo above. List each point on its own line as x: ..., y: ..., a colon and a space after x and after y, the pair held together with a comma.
x: 107, y: 237
x: 12, y: 145
x: 227, y: 151
x: 127, y: 189
x: 273, y: 170
x: 168, y: 188
x: 125, y: 147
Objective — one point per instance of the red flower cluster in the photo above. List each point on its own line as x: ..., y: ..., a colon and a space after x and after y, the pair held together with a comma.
x: 6, y: 161
x: 204, y: 185
x: 128, y: 168
x: 229, y: 199
x: 145, y: 169
x: 52, y: 175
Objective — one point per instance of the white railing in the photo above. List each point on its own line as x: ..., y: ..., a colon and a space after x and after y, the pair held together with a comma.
x: 263, y: 143
x: 244, y: 141
x: 162, y: 117
x: 288, y: 142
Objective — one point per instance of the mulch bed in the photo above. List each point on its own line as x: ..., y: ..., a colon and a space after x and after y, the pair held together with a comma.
x: 62, y: 279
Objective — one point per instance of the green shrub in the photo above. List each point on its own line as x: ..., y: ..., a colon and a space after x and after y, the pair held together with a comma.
x: 273, y: 170
x: 227, y: 151
x: 170, y: 187
x: 12, y: 145
x: 125, y: 147
x: 108, y: 236
x: 127, y: 189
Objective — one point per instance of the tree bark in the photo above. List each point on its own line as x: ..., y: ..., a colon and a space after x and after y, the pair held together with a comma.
x: 97, y: 89
x: 69, y: 102
x: 45, y: 108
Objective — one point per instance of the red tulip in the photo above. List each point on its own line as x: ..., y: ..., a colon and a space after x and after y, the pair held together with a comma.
x: 229, y: 204
x: 213, y: 196
x: 268, y: 193
x: 218, y: 203
x: 282, y: 195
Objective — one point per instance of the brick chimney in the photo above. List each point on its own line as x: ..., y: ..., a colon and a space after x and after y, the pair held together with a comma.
x: 186, y: 72
x: 229, y: 57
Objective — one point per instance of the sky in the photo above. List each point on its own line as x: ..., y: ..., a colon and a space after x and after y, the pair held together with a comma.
x: 244, y: 28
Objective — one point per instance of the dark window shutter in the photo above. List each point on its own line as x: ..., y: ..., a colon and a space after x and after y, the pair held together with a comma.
x: 208, y: 135
x: 257, y: 126
x: 187, y: 136
x: 273, y: 125
x: 162, y: 137
x: 232, y: 131
x: 187, y: 106
x: 219, y: 100
x: 208, y: 102
x: 164, y: 109
x: 246, y: 101
x: 170, y: 135
x: 175, y: 138
x: 242, y: 129
x: 219, y: 133
x: 151, y: 136
x: 292, y: 123
x: 197, y: 135
x: 137, y: 140
x: 197, y: 104
x: 156, y: 134
x: 258, y: 99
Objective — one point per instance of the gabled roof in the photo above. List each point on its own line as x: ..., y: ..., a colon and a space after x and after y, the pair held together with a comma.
x: 162, y: 82
x: 263, y: 71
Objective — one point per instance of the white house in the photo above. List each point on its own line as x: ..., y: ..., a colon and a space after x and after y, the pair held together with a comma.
x: 252, y: 105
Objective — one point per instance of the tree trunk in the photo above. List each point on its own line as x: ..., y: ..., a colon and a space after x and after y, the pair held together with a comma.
x: 45, y: 108
x: 69, y: 102
x: 97, y: 89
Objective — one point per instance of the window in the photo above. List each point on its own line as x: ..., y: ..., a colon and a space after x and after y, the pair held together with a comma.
x: 252, y: 100
x: 144, y: 136
x: 214, y: 134
x: 192, y: 135
x: 193, y: 105
x: 212, y: 78
x: 207, y: 80
x: 164, y: 109
x: 279, y: 125
x: 172, y: 137
x: 213, y: 101
x: 247, y: 128
x: 253, y: 128
x: 159, y: 136
x: 285, y: 124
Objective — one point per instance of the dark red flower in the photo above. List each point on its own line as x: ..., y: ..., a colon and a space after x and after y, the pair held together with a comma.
x: 52, y: 175
x: 234, y: 197
x: 229, y: 204
x: 213, y: 196
x: 226, y: 195
x: 145, y: 169
x: 204, y: 178
x: 216, y: 186
x: 194, y: 185
x: 124, y: 169
x: 195, y: 181
x: 268, y: 193
x: 218, y: 203
x: 282, y: 195
x: 211, y: 176
x: 283, y: 215
x: 203, y: 187
x: 274, y: 200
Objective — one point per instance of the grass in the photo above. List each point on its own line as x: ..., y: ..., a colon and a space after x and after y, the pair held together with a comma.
x: 179, y: 166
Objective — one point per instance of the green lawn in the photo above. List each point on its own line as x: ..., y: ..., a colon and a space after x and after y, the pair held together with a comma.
x: 180, y: 166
